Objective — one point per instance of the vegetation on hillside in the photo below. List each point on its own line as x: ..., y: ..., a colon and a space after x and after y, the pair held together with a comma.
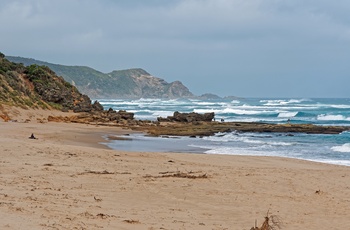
x: 15, y: 89
x: 37, y: 86
x: 130, y: 83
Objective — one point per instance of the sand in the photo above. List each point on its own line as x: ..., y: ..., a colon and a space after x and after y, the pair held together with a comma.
x: 65, y: 179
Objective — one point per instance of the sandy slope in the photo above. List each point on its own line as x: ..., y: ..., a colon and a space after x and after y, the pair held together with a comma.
x: 65, y: 180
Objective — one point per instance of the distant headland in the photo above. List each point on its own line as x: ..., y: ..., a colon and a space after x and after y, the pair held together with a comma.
x: 126, y: 84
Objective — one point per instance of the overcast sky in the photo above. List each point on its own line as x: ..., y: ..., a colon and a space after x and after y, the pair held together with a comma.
x: 248, y: 48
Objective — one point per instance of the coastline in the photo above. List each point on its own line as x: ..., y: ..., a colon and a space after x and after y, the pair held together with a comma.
x: 67, y: 179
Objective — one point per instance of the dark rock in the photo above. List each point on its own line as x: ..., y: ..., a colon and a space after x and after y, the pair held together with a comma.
x: 209, y: 96
x: 97, y: 106
x: 126, y: 115
x: 188, y: 117
x: 162, y: 119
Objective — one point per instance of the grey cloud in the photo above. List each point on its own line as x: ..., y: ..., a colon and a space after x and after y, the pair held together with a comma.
x: 266, y: 42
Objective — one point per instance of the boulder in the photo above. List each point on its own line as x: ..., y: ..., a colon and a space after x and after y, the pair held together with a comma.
x: 126, y: 115
x: 97, y: 106
x: 188, y: 117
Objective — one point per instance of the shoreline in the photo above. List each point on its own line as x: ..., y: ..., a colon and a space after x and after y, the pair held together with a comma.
x: 175, y: 144
x: 65, y: 179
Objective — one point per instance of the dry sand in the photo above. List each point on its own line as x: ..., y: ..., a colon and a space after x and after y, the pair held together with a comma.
x: 66, y: 180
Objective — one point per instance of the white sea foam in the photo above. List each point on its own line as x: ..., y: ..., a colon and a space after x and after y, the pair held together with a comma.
x: 206, y: 103
x: 239, y: 151
x: 244, y: 112
x: 334, y: 162
x: 277, y: 107
x: 267, y: 143
x: 233, y: 111
x: 345, y: 148
x: 255, y: 120
x: 207, y: 110
x: 235, y: 119
x: 324, y: 117
x: 145, y: 117
x: 282, y: 102
x: 340, y: 106
x: 287, y: 114
x: 115, y: 103
x: 162, y: 113
x: 245, y: 138
x: 149, y: 99
x: 222, y: 137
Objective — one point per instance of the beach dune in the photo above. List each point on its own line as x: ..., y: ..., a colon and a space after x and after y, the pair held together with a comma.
x: 66, y: 179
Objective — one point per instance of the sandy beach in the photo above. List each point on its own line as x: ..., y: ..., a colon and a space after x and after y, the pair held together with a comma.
x: 66, y: 179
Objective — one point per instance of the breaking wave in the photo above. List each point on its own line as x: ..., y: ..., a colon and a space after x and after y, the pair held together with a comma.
x: 324, y: 117
x: 345, y: 148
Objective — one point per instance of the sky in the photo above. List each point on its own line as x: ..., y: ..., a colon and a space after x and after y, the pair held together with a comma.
x: 245, y: 48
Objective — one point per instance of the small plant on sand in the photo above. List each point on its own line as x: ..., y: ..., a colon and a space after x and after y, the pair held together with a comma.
x: 272, y: 222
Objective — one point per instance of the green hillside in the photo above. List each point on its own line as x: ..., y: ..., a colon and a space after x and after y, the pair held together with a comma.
x: 130, y: 83
x: 37, y: 86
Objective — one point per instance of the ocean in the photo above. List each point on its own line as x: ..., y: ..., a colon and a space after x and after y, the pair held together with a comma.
x: 333, y: 149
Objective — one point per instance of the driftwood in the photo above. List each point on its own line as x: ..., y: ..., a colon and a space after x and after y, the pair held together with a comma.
x: 272, y: 222
x: 131, y: 221
x: 98, y: 172
x: 178, y: 174
x: 104, y: 172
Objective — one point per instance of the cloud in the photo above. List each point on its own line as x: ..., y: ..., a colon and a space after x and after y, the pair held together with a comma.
x: 235, y: 41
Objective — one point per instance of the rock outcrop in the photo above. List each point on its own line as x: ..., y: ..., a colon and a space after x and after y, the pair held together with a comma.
x: 103, y: 117
x: 188, y: 117
x: 54, y: 89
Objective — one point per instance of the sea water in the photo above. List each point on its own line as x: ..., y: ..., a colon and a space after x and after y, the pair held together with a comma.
x: 334, y: 149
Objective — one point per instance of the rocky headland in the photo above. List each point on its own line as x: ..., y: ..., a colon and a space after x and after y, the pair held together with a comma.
x: 132, y: 83
x: 129, y: 83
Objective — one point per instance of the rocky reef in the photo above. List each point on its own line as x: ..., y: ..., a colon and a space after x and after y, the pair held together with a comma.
x: 191, y: 124
x: 194, y: 124
x: 210, y: 128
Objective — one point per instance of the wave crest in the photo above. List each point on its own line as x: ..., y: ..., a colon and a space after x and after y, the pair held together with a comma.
x: 287, y: 114
x: 325, y: 117
x: 345, y: 148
